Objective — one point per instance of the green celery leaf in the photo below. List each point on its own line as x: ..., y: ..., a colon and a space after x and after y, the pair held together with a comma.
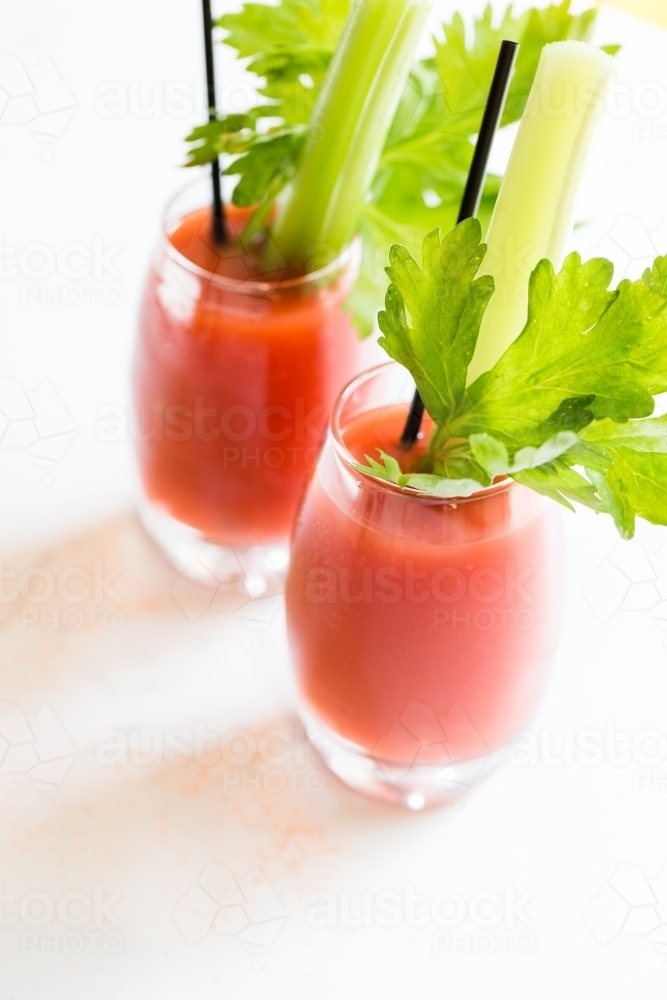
x: 388, y: 469
x: 290, y: 46
x: 580, y: 341
x: 453, y: 460
x: 466, y: 70
x: 446, y: 304
x: 616, y: 504
x: 290, y: 26
x: 656, y: 277
x: 640, y: 435
x: 562, y: 484
x: 265, y: 167
x: 231, y: 134
x: 492, y: 454
x: 565, y: 411
x: 446, y: 488
x: 635, y: 483
x: 574, y: 413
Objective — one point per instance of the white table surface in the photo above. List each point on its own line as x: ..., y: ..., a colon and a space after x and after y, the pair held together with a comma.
x: 298, y: 864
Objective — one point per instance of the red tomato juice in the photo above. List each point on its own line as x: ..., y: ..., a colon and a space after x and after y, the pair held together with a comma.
x: 421, y: 629
x: 235, y: 376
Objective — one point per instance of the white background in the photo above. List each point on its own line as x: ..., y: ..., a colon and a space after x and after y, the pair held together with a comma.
x: 575, y: 836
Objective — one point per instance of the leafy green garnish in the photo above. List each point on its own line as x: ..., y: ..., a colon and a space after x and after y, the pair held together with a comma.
x: 493, y: 456
x: 636, y: 482
x: 390, y: 470
x: 446, y: 314
x: 565, y: 411
x: 422, y: 170
x: 289, y: 48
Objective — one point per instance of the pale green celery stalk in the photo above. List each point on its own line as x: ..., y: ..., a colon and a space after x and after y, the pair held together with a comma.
x: 533, y: 217
x: 348, y: 128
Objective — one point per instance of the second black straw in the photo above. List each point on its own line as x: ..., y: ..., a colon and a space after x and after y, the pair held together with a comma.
x: 474, y: 186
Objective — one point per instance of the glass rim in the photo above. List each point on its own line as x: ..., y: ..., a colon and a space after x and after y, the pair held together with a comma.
x: 350, y: 254
x: 342, y: 451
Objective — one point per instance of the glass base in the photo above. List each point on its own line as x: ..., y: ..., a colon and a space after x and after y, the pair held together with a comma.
x: 259, y: 569
x: 412, y: 786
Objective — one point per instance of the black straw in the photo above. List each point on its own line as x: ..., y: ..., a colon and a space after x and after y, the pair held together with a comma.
x: 474, y: 187
x: 218, y: 228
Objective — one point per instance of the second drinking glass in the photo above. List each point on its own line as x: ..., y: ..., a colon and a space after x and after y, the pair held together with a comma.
x: 421, y: 628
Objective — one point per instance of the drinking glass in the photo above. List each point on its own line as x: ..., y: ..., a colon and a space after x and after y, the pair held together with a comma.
x: 236, y: 372
x: 421, y: 629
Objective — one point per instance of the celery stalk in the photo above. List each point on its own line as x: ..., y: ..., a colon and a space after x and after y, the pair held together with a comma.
x: 348, y: 128
x: 533, y: 216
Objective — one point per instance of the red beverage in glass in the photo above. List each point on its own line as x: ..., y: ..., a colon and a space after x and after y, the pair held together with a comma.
x: 236, y: 373
x: 421, y: 629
